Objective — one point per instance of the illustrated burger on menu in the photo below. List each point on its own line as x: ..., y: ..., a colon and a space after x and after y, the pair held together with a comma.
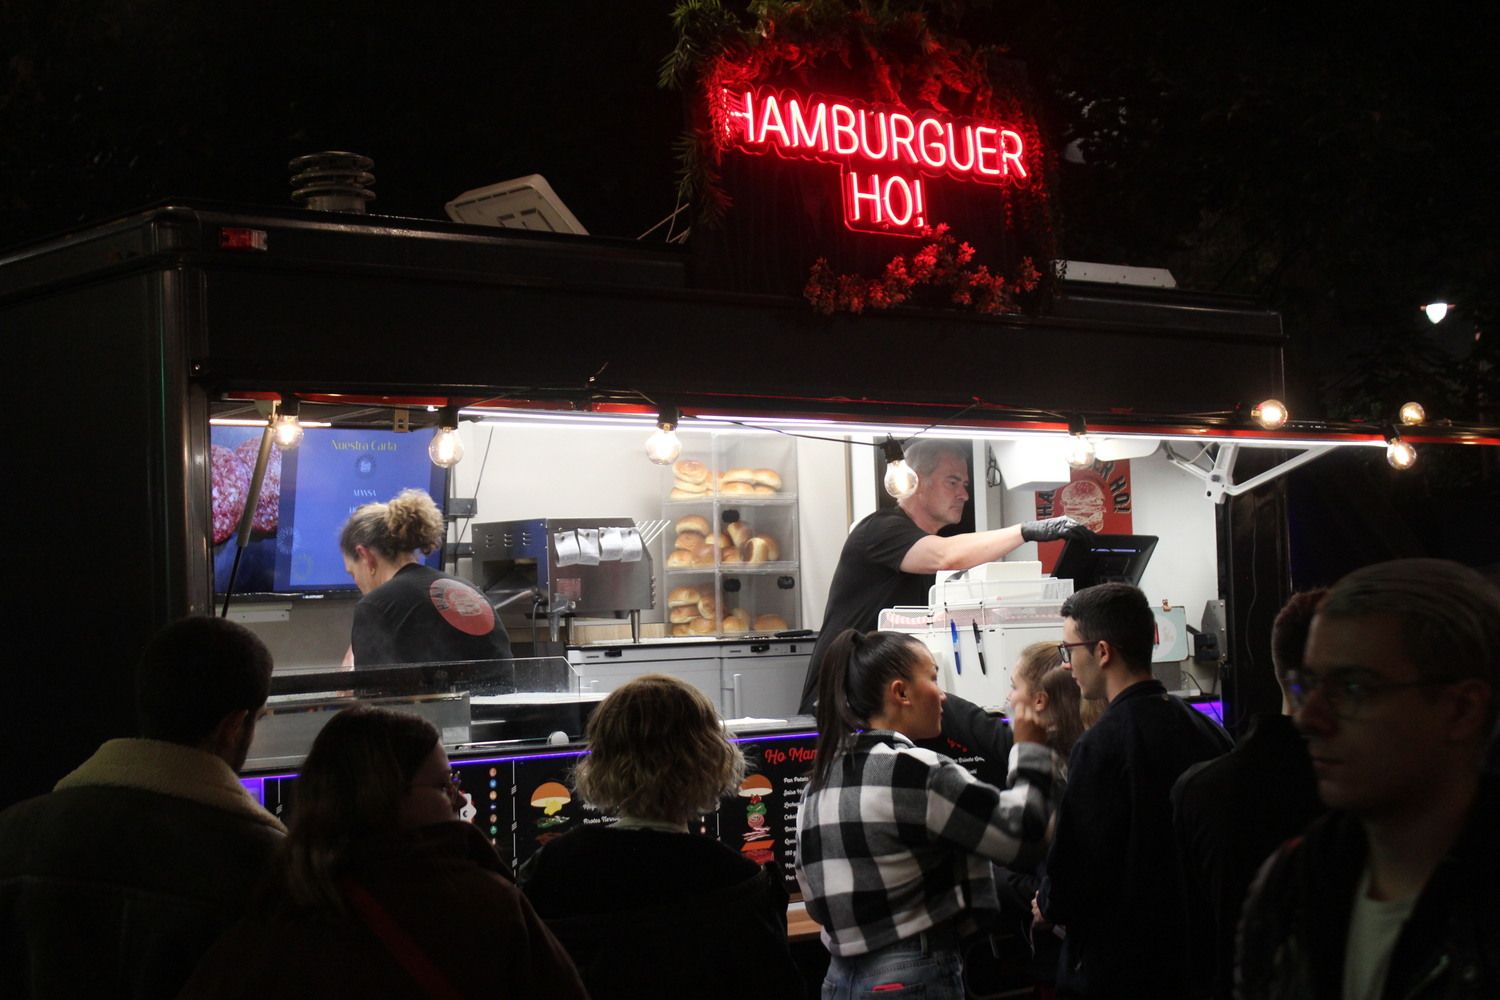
x: 759, y: 839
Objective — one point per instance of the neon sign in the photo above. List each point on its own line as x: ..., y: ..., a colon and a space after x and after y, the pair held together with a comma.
x: 884, y: 154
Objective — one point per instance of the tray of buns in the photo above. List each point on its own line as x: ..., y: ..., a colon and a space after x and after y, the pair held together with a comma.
x: 736, y: 547
x: 694, y: 480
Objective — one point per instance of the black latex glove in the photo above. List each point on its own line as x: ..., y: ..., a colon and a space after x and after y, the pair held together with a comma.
x: 1052, y: 529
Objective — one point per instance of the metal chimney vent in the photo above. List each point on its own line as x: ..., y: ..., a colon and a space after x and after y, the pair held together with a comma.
x: 333, y: 181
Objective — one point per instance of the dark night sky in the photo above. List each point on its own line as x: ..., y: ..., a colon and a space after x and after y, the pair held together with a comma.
x: 1336, y: 166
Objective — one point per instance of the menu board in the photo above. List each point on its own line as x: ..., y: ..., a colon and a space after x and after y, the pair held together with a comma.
x: 521, y: 802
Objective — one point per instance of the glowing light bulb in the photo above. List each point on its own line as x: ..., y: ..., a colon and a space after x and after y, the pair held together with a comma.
x: 1412, y: 413
x: 1436, y: 311
x: 288, y: 433
x: 446, y: 449
x: 1270, y: 414
x: 900, y: 479
x: 1080, y: 452
x: 1400, y: 454
x: 663, y: 446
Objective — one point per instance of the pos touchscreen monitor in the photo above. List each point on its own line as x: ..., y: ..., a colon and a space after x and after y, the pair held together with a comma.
x: 1105, y: 559
x: 306, y: 497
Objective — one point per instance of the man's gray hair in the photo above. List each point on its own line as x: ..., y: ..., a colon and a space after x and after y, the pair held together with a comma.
x: 923, y: 455
x: 1449, y: 615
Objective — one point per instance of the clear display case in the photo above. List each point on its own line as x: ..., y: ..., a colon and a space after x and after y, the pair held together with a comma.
x: 729, y: 556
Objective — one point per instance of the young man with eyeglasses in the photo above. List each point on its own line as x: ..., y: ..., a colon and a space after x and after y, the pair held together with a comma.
x: 1112, y: 872
x: 1393, y: 893
x: 1232, y: 812
x: 891, y: 558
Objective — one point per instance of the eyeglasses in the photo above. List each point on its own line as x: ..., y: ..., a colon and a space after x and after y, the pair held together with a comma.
x: 1344, y: 690
x: 1065, y: 649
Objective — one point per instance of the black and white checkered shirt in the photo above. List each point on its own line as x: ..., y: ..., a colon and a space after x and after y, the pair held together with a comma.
x: 901, y: 839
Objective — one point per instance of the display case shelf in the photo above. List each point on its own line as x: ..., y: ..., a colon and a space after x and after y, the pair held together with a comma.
x: 704, y: 525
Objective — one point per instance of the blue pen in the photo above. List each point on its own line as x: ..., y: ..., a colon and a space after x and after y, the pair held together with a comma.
x: 958, y: 665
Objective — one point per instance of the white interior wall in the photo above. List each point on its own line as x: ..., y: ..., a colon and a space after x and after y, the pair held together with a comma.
x: 603, y: 472
x: 1168, y: 503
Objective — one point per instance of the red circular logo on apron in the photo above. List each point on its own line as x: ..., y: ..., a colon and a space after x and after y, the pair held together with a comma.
x: 462, y: 606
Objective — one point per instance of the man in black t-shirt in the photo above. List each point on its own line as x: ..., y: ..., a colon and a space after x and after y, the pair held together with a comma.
x: 891, y: 557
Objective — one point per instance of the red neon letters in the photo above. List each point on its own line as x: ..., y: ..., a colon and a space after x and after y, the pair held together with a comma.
x: 867, y: 142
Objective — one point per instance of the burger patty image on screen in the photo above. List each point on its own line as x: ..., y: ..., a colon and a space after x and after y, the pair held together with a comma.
x: 550, y: 797
x: 1083, y: 501
x: 759, y: 840
x: 230, y: 487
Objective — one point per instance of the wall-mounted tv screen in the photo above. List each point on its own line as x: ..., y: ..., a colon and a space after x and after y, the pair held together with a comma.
x: 307, y: 495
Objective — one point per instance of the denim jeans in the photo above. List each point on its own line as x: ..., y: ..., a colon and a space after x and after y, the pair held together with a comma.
x: 929, y: 966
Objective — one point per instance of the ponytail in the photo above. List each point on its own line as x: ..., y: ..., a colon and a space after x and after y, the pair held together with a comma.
x: 852, y: 678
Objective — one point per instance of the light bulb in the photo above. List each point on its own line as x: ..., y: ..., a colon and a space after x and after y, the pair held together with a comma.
x: 288, y: 431
x: 1412, y: 413
x: 1401, y: 454
x: 447, y: 448
x: 900, y: 479
x: 663, y: 446
x: 1436, y: 311
x: 1270, y: 414
x: 1080, y: 452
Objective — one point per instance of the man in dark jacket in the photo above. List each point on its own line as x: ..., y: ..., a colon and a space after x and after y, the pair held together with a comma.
x: 117, y: 882
x: 1392, y: 894
x: 1230, y: 813
x: 1112, y: 873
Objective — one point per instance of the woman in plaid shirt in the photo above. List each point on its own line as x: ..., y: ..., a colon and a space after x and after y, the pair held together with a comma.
x: 895, y: 843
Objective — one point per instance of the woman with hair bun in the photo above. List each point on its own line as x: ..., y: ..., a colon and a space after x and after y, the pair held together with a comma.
x: 896, y: 845
x: 411, y: 613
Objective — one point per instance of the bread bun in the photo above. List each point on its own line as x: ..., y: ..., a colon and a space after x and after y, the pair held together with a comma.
x: 682, y: 629
x: 683, y: 596
x: 738, y: 476
x: 762, y: 549
x: 679, y: 559
x: 770, y: 623
x: 681, y: 494
x: 760, y: 490
x: 707, y: 606
x: 731, y: 555
x: 702, y: 556
x: 696, y: 489
x: 768, y: 477
x: 689, y: 540
x: 701, y: 626
x: 739, y: 532
x: 685, y: 613
x: 736, y: 488
x: 691, y: 470
x: 737, y: 621
x: 692, y: 522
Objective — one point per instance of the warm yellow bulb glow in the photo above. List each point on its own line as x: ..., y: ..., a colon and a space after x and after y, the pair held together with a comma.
x: 288, y: 432
x: 900, y: 479
x: 1400, y: 454
x: 1080, y: 452
x: 1270, y: 414
x: 446, y: 449
x: 663, y: 446
x: 1412, y: 413
x: 1436, y: 311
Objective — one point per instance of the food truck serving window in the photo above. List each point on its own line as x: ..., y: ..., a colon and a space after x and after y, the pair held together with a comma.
x: 305, y: 499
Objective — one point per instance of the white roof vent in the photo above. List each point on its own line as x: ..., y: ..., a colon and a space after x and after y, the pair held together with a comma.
x: 1114, y: 274
x: 523, y: 203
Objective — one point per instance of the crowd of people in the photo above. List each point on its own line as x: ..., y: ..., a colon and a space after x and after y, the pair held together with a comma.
x: 1342, y: 849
